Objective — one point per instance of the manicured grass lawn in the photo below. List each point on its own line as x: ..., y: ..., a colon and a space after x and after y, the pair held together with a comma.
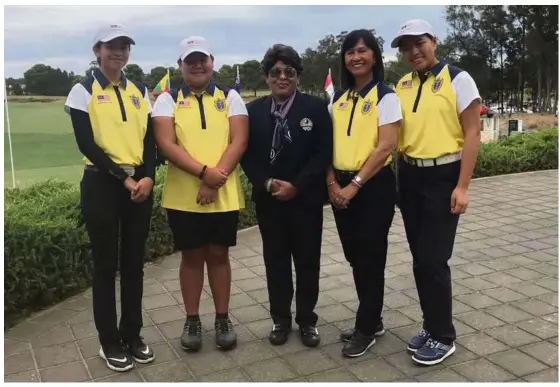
x: 43, y: 143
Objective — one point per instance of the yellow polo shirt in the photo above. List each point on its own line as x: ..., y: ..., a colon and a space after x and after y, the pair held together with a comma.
x: 356, y: 121
x: 118, y: 115
x: 431, y: 109
x: 202, y: 129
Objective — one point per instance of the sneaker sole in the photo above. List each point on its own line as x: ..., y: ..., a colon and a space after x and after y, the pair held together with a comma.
x: 279, y: 343
x: 226, y: 348
x: 434, y: 362
x: 144, y: 361
x: 189, y: 349
x: 376, y: 334
x: 361, y: 353
x: 311, y: 345
x: 112, y: 367
x: 412, y: 350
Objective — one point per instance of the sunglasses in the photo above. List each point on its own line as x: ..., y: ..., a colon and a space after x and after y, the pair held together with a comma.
x: 275, y: 72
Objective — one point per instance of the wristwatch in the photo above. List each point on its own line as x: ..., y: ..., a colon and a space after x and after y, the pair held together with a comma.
x: 358, y: 181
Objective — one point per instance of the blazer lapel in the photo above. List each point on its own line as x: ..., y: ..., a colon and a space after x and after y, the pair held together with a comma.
x: 266, y: 126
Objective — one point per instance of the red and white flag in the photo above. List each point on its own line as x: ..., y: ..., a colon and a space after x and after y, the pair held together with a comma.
x: 329, y: 87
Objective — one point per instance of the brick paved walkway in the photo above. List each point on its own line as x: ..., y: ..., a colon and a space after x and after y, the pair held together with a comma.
x: 505, y: 270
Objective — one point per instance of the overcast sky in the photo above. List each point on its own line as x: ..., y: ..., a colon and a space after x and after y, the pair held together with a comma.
x: 61, y: 36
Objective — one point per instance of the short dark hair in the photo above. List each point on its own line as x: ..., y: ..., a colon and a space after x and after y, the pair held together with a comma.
x: 281, y: 52
x: 346, y: 77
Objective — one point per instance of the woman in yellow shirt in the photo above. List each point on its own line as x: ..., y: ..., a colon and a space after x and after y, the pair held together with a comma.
x: 202, y: 129
x: 113, y: 128
x: 366, y: 117
x: 438, y: 147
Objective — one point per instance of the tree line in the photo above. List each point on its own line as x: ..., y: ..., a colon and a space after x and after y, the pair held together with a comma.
x: 511, y: 52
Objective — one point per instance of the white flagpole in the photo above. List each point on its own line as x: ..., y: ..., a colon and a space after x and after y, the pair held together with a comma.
x: 9, y: 136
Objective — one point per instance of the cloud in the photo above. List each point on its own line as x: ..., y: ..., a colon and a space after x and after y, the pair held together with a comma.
x: 62, y: 36
x: 23, y: 23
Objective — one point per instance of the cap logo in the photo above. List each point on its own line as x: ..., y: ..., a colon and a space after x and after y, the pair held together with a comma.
x: 115, y: 26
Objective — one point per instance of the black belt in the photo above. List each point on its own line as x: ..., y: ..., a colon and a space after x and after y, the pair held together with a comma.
x: 344, y: 175
x: 129, y: 169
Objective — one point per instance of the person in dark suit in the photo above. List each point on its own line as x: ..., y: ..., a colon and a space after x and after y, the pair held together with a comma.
x: 290, y: 147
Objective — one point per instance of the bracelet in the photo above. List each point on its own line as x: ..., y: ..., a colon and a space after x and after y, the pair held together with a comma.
x: 203, y: 172
x: 356, y: 183
x: 331, y: 183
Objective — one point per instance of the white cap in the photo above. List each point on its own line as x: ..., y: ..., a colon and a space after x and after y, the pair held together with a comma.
x: 415, y: 27
x: 193, y: 44
x: 108, y: 32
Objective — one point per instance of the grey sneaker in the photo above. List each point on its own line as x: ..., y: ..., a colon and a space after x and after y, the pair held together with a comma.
x: 191, y: 339
x: 226, y: 338
x: 347, y: 334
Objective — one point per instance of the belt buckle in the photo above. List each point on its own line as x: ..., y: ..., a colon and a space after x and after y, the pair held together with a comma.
x: 129, y: 171
x: 409, y: 160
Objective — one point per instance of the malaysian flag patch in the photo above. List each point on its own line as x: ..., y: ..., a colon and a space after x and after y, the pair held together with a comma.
x: 184, y: 104
x: 103, y: 98
x: 343, y: 105
x: 406, y: 84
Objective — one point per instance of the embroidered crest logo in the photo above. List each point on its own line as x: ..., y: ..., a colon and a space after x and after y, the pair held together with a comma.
x: 406, y: 84
x: 437, y: 85
x: 135, y: 101
x: 220, y: 105
x: 306, y: 124
x: 366, y: 108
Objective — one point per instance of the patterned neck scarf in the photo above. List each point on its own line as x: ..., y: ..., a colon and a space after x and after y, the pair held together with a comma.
x: 282, y: 133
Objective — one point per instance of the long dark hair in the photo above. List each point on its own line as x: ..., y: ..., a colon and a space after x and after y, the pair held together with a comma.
x: 346, y: 77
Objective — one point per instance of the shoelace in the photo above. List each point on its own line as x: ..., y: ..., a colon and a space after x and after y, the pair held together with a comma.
x: 423, y: 333
x: 193, y: 328
x: 224, y: 325
x: 432, y: 343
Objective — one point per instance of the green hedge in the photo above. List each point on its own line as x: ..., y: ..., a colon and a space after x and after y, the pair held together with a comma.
x: 519, y: 153
x: 46, y: 248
